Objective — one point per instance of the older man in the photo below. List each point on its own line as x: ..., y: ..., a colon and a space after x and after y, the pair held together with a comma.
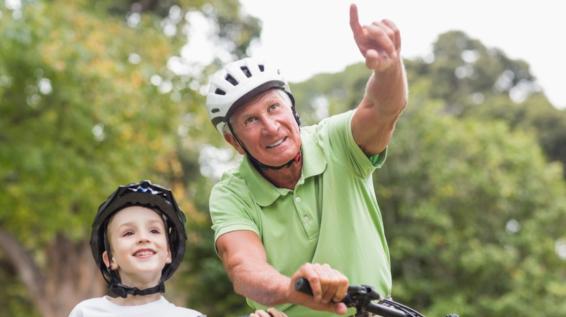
x: 302, y: 202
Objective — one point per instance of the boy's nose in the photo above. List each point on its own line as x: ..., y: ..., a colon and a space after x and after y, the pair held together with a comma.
x: 143, y: 237
x: 143, y: 240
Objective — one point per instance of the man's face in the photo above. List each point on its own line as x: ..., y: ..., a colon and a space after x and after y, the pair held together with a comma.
x: 139, y: 246
x: 267, y: 128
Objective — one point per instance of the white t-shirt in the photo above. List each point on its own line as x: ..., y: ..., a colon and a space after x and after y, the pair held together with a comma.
x: 103, y: 307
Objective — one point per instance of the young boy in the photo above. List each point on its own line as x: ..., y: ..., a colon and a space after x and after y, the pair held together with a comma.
x: 138, y: 241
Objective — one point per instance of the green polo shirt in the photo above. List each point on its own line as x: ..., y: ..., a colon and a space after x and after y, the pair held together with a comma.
x: 330, y: 217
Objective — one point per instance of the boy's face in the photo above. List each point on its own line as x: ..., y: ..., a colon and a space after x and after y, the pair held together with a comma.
x: 139, y: 246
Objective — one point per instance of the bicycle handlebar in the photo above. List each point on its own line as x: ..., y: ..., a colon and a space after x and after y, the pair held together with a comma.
x: 384, y: 311
x: 365, y: 299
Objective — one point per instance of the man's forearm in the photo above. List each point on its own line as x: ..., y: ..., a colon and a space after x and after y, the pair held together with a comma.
x: 262, y: 284
x: 376, y: 116
x: 387, y: 92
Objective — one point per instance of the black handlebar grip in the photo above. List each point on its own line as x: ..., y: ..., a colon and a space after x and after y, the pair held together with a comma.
x: 303, y: 286
x: 383, y: 310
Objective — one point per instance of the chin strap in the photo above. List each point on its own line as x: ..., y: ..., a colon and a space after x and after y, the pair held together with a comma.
x: 262, y: 167
x: 118, y: 289
x: 123, y: 290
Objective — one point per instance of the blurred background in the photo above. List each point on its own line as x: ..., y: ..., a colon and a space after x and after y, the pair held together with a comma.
x: 94, y: 94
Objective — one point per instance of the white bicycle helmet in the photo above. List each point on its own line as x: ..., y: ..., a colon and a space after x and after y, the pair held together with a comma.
x: 237, y: 83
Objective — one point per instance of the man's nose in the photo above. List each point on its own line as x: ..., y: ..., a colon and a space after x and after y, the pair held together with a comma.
x: 270, y: 125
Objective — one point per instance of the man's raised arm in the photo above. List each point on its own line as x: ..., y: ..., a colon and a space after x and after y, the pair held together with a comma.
x: 386, y: 91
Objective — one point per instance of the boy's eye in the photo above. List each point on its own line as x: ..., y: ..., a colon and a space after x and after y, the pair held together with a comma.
x: 127, y: 233
x: 156, y: 231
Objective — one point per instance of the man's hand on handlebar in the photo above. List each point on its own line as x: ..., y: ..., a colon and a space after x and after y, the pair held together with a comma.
x: 271, y: 312
x: 329, y: 287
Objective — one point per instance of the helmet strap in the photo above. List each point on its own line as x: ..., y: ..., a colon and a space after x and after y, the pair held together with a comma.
x: 118, y: 289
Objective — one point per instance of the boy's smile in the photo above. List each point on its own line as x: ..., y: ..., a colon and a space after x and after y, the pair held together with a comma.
x: 139, y: 246
x: 144, y: 253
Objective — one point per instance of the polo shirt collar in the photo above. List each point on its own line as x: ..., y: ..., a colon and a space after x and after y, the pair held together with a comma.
x: 265, y: 193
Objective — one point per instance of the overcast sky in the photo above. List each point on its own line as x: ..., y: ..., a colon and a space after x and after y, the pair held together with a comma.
x: 312, y: 36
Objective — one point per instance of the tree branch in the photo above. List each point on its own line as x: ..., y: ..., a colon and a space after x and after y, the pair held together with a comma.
x: 25, y: 265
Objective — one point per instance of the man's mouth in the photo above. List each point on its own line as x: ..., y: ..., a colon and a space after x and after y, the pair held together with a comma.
x: 270, y: 146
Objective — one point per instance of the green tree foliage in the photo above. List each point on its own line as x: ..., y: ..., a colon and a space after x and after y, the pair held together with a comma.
x: 87, y: 103
x: 235, y: 30
x: 465, y: 66
x: 473, y: 215
x: 535, y: 114
x: 73, y: 106
x: 473, y: 80
x: 77, y: 119
x: 330, y: 93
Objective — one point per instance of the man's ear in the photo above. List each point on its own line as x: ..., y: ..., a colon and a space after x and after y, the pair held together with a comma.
x: 110, y: 264
x: 232, y: 140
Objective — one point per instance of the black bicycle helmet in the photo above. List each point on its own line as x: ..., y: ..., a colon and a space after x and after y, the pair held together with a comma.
x: 156, y: 198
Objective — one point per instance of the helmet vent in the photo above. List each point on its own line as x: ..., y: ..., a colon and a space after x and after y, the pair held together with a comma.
x: 261, y: 67
x: 219, y: 91
x: 214, y: 110
x: 246, y: 71
x: 231, y: 80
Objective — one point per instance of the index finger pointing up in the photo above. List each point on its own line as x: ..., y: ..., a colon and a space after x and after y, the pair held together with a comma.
x: 354, y: 21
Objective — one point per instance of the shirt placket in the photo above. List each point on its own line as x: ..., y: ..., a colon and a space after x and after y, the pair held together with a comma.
x: 305, y: 214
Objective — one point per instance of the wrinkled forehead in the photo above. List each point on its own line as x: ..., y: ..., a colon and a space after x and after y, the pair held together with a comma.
x: 266, y: 97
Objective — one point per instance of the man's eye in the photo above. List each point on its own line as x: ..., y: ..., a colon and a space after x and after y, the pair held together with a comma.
x: 250, y: 120
x: 274, y: 106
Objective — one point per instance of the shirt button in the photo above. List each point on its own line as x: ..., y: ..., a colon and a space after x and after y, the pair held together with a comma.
x: 297, y: 199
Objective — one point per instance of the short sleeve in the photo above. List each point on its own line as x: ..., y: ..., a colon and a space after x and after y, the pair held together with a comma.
x: 338, y: 131
x: 377, y: 160
x: 230, y: 210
